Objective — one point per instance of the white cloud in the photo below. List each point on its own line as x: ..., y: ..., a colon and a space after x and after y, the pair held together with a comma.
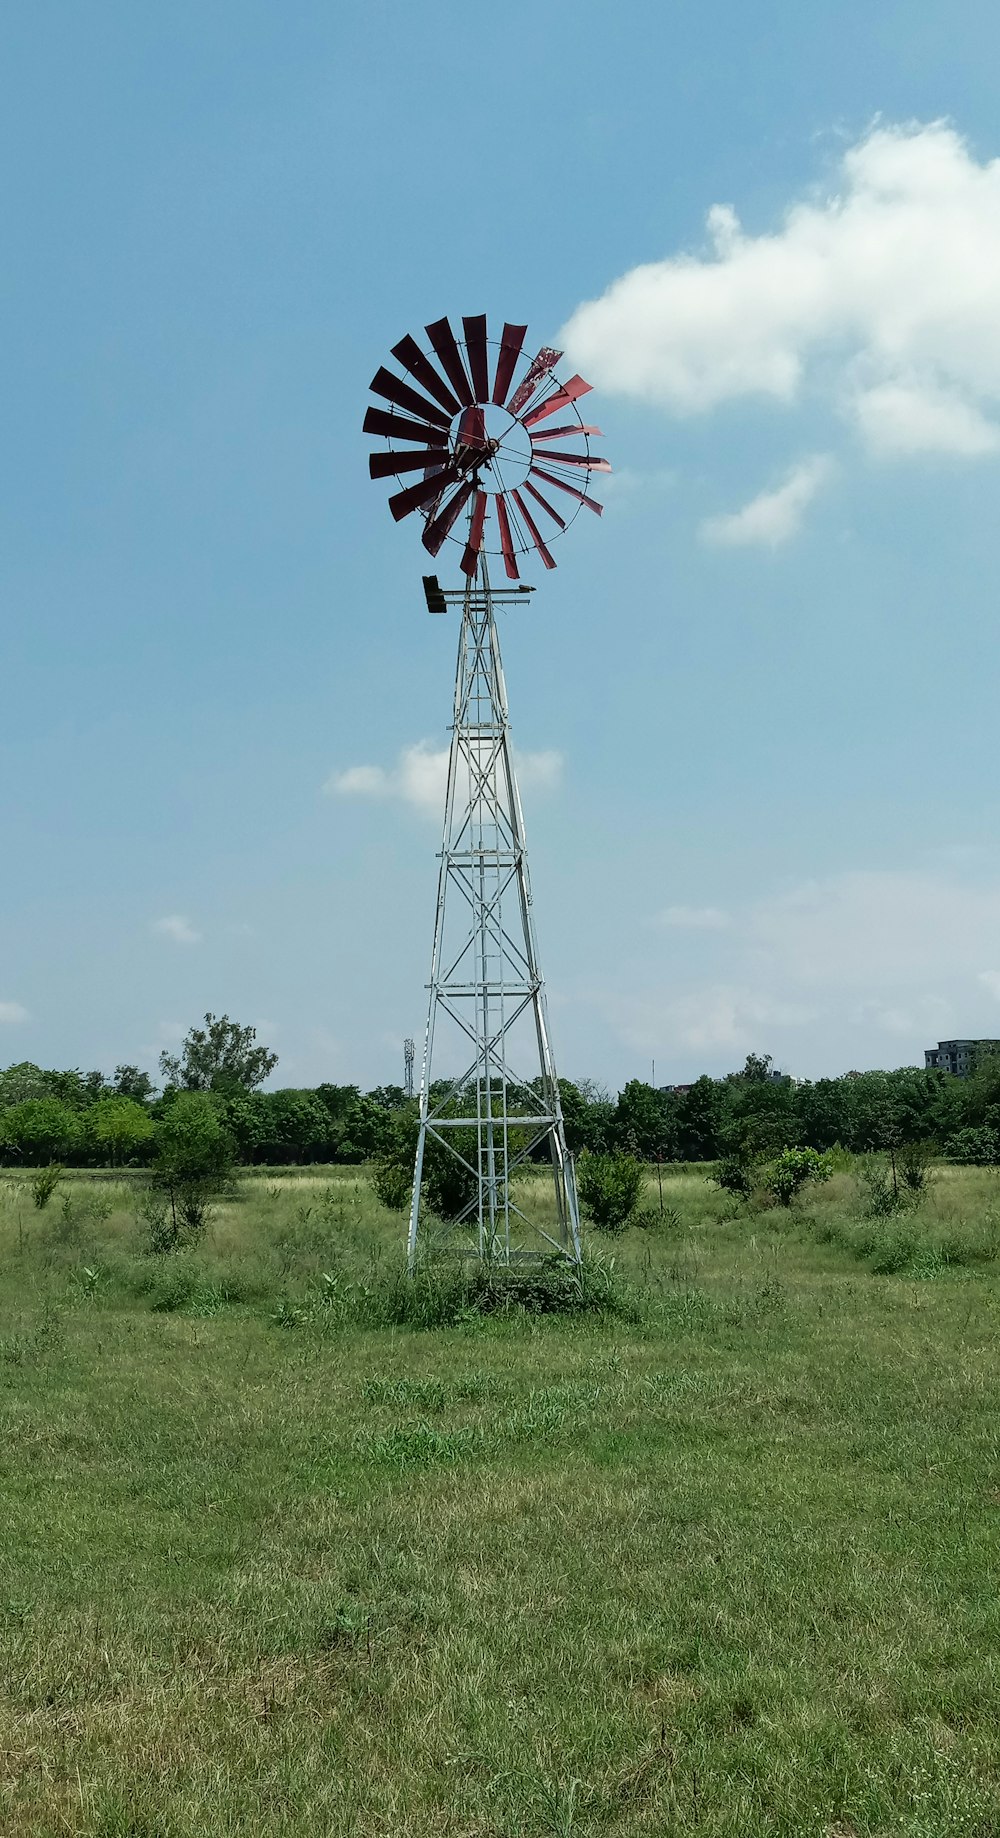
x: 13, y: 1012
x: 862, y: 967
x: 713, y: 1018
x: 774, y: 516
x: 178, y: 929
x: 696, y: 918
x: 884, y: 296
x: 887, y: 928
x: 420, y: 775
x: 906, y: 417
x: 360, y: 781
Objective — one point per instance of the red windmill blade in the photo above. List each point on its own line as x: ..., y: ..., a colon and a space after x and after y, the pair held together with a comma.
x: 481, y: 442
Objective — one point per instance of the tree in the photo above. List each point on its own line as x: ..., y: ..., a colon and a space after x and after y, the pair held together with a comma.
x: 120, y: 1126
x: 77, y: 1089
x: 295, y: 1126
x: 40, y: 1129
x: 698, y: 1118
x: 759, y: 1117
x: 757, y: 1068
x: 129, y: 1082
x: 21, y: 1082
x: 194, y: 1159
x: 221, y: 1056
x: 646, y: 1122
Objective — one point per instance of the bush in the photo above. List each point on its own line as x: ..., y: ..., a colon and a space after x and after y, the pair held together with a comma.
x: 975, y: 1147
x: 610, y: 1187
x: 734, y: 1174
x: 911, y: 1164
x: 884, y: 1197
x: 791, y: 1171
x: 44, y: 1184
x: 392, y: 1183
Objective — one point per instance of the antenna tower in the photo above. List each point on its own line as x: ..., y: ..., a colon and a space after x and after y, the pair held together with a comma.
x: 494, y: 1107
x: 409, y: 1054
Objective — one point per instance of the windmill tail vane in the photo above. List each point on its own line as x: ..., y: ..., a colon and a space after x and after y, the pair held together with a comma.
x: 471, y: 416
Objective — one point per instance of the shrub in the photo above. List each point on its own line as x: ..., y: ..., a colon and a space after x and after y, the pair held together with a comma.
x: 734, y: 1174
x: 791, y: 1171
x: 884, y: 1197
x: 44, y: 1184
x: 610, y: 1186
x: 911, y: 1165
x: 975, y: 1147
x: 392, y: 1183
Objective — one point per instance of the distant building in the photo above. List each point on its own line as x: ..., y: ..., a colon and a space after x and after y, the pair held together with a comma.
x: 958, y: 1056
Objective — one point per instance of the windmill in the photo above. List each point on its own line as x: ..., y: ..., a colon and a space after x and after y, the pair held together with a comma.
x: 473, y: 418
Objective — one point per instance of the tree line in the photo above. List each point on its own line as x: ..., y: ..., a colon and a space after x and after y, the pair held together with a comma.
x: 85, y: 1119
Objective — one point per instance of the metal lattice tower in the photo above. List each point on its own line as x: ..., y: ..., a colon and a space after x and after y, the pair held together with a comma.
x: 499, y: 1101
x: 409, y: 1055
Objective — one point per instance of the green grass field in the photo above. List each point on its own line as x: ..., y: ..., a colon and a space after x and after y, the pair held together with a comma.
x: 723, y: 1565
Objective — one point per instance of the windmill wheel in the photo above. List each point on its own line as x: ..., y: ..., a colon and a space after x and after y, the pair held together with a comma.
x: 481, y: 442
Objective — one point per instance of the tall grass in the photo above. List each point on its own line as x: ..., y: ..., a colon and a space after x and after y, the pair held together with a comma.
x: 292, y: 1545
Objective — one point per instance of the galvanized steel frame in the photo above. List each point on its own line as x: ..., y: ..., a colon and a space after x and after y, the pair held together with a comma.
x: 487, y: 985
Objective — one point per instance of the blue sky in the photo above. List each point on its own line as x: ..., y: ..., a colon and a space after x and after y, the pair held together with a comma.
x: 757, y: 701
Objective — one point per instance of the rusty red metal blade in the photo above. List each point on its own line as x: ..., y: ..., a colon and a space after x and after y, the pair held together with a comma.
x: 510, y: 350
x: 578, y: 459
x: 537, y: 369
x: 424, y: 492
x: 546, y: 506
x: 533, y: 529
x: 379, y: 421
x: 439, y: 526
x: 565, y: 427
x: 395, y: 390
x: 470, y: 560
x: 539, y: 472
x: 564, y: 396
x: 472, y: 429
x: 384, y: 465
x: 506, y: 542
x: 443, y: 339
x: 408, y: 352
x: 475, y: 351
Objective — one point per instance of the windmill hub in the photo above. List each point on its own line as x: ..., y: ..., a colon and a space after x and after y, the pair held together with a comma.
x: 493, y: 442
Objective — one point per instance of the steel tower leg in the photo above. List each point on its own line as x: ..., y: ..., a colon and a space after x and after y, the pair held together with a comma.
x: 495, y: 1109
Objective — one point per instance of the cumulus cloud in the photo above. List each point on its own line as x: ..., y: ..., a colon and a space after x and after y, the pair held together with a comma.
x: 772, y: 517
x: 179, y: 930
x: 13, y: 1012
x: 420, y: 776
x: 905, y: 417
x: 883, y: 296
